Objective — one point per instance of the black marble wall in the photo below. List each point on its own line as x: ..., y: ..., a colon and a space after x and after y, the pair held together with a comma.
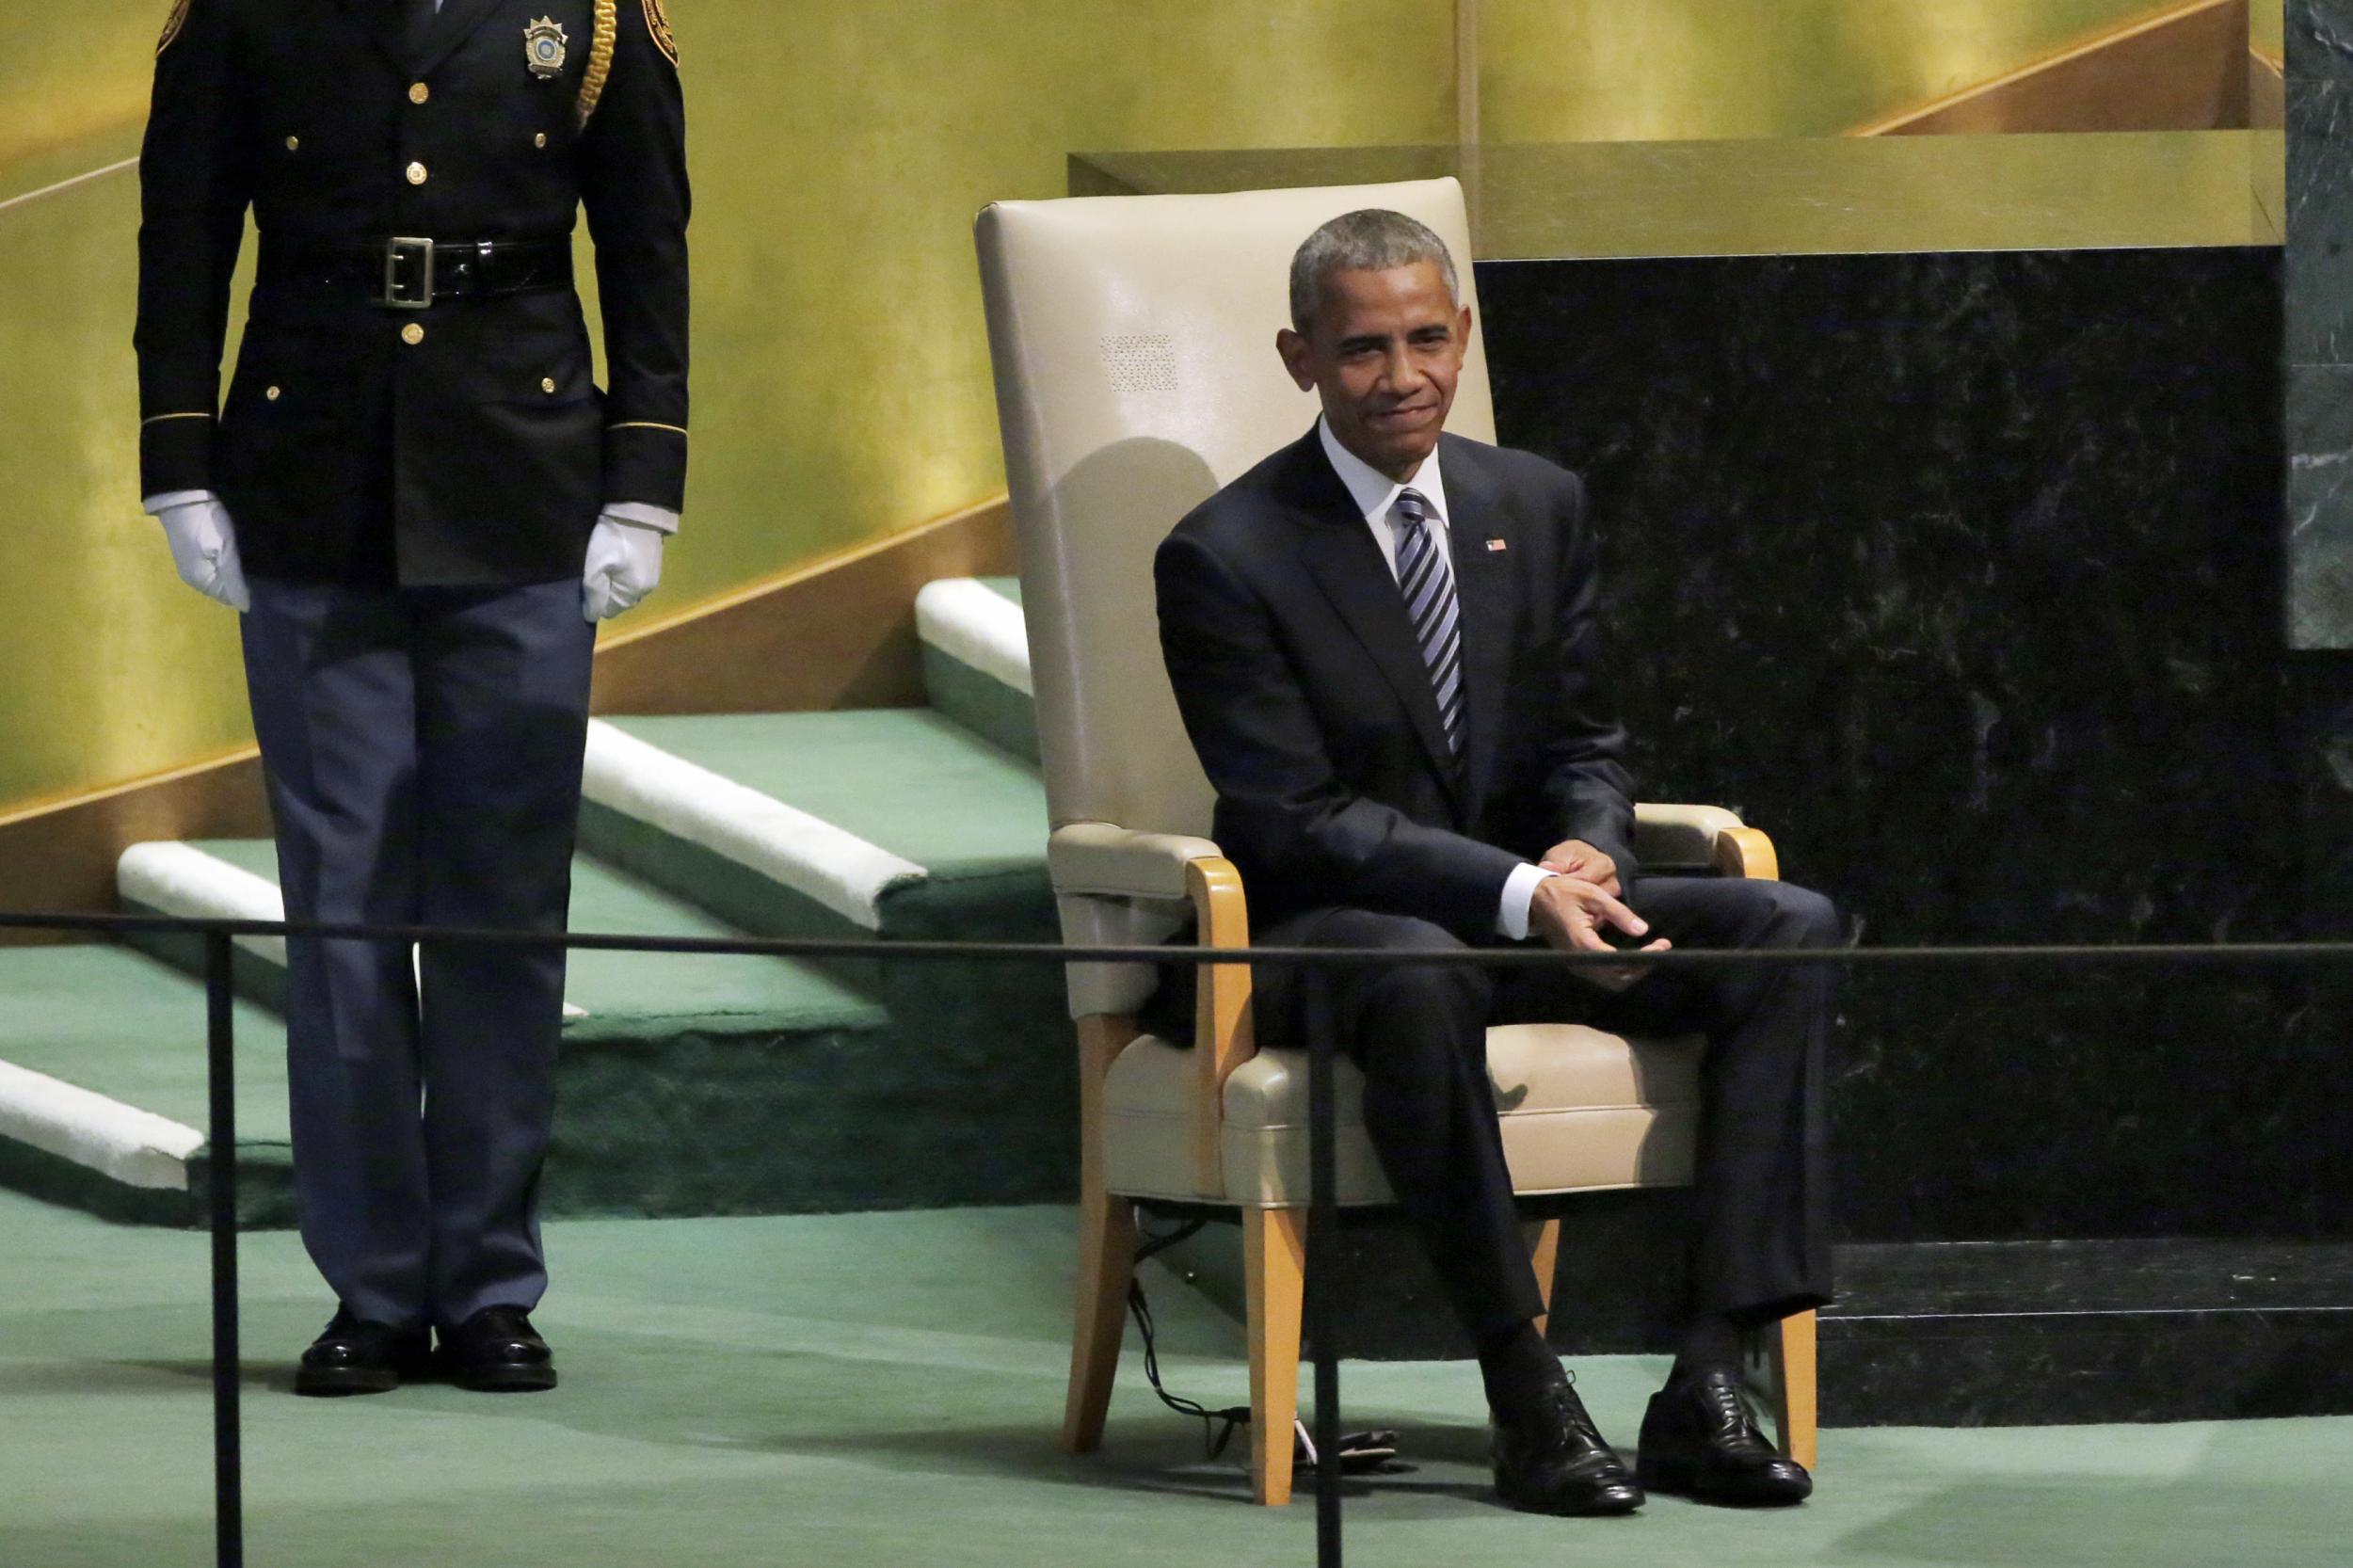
x: 1962, y: 576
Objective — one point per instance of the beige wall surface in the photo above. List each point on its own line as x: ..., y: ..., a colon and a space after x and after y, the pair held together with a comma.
x: 1692, y: 69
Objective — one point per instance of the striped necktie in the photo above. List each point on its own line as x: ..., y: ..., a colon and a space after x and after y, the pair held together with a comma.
x: 1428, y: 584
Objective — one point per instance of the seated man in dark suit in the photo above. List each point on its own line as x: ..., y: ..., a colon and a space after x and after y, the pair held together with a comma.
x: 1383, y: 642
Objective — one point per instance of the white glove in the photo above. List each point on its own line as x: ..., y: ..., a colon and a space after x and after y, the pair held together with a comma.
x: 204, y: 548
x: 624, y: 565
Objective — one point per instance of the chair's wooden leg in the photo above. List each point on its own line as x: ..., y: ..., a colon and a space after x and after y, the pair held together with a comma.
x: 1106, y: 1262
x: 1790, y: 1349
x: 1275, y: 1260
x: 1544, y: 1255
x: 1107, y: 1247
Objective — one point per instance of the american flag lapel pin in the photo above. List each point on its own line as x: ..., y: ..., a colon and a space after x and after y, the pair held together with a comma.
x: 1496, y: 546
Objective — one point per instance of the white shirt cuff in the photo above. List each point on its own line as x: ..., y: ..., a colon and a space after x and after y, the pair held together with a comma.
x: 1519, y: 891
x: 658, y: 518
x: 156, y: 505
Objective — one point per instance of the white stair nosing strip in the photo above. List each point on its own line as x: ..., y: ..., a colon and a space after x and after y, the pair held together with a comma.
x: 975, y: 625
x: 804, y: 853
x: 135, y: 1148
x: 184, y: 881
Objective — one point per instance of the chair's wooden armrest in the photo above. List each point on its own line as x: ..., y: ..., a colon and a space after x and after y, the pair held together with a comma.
x: 1221, y: 1035
x: 1679, y: 838
x: 1702, y: 838
x: 1747, y: 851
x: 1104, y: 859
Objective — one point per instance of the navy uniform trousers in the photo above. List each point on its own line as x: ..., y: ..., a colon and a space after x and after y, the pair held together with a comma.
x: 1761, y: 1246
x: 423, y: 747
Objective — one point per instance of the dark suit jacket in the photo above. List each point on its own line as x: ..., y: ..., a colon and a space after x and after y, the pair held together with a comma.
x: 482, y: 454
x: 1305, y: 695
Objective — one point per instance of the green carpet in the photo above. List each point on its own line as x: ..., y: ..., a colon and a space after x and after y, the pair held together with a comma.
x: 886, y: 1390
x: 131, y: 1028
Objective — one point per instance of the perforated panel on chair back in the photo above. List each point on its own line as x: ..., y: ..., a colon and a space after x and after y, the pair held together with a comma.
x: 1136, y: 372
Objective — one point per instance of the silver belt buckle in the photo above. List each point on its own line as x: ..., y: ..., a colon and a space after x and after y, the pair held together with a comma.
x: 406, y: 294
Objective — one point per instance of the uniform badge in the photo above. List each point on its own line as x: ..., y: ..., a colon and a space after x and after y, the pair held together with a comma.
x: 544, y: 47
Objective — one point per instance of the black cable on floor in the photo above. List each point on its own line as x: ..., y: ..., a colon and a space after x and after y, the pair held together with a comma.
x: 1217, y: 1426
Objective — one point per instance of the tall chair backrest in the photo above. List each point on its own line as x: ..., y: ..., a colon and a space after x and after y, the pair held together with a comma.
x: 1133, y: 339
x: 1136, y: 372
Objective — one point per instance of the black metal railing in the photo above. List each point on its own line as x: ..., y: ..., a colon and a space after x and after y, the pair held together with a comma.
x: 1322, y: 1319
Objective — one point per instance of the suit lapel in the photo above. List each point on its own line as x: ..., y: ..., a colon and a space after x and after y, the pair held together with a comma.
x: 1339, y: 552
x: 453, y: 26
x: 1483, y: 582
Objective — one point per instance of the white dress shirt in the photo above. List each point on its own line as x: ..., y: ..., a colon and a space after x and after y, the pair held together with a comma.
x: 1375, y: 493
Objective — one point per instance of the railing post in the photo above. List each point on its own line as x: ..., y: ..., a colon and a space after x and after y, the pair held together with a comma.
x: 1323, y: 1215
x: 228, y: 1445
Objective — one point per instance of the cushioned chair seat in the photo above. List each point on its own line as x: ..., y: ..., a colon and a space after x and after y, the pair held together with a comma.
x: 1581, y: 1110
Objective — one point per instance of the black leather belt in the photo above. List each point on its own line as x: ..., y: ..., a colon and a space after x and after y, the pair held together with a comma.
x: 417, y: 274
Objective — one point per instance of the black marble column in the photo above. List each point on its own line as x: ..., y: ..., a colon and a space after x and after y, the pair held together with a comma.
x: 2320, y: 323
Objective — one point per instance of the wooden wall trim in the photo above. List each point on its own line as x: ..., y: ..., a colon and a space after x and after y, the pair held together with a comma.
x: 837, y: 633
x: 2184, y: 69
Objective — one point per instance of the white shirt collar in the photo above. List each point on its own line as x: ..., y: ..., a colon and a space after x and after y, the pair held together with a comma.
x: 1375, y: 492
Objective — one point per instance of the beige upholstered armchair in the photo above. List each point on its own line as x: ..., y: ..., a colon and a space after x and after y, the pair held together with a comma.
x: 1134, y: 346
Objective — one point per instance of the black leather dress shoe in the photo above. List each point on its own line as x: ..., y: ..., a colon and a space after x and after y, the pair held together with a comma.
x: 1700, y: 1439
x: 1550, y: 1459
x: 355, y: 1356
x: 498, y: 1351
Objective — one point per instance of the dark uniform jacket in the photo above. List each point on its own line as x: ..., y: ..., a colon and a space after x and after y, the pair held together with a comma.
x: 1301, y: 682
x: 467, y: 442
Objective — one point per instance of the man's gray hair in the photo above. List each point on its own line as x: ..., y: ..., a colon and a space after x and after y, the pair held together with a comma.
x: 1371, y: 239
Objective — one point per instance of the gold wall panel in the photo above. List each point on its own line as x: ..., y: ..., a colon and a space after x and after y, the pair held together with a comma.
x: 841, y: 367
x: 1691, y: 70
x: 2267, y: 22
x: 108, y: 667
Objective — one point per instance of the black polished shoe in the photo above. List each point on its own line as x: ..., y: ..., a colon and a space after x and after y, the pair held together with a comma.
x: 498, y: 1351
x: 1700, y: 1439
x: 1550, y: 1459
x: 355, y: 1356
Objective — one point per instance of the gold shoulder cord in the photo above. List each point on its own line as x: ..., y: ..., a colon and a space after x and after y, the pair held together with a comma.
x: 600, y: 58
x: 172, y: 25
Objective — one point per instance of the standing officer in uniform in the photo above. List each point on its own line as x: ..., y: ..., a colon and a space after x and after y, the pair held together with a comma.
x: 422, y: 501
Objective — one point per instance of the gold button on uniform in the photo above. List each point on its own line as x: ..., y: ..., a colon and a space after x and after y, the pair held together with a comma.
x: 539, y: 140
x: 272, y: 394
x: 546, y: 383
x: 294, y: 144
x: 419, y: 92
x: 413, y: 334
x: 416, y: 174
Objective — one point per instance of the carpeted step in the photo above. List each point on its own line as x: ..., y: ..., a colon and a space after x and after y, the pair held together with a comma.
x: 899, y: 823
x: 893, y: 822
x: 687, y: 1084
x: 103, y: 1095
x: 976, y: 658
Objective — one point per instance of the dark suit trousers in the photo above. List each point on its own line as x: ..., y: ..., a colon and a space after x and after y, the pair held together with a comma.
x: 424, y: 752
x: 1418, y: 1031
